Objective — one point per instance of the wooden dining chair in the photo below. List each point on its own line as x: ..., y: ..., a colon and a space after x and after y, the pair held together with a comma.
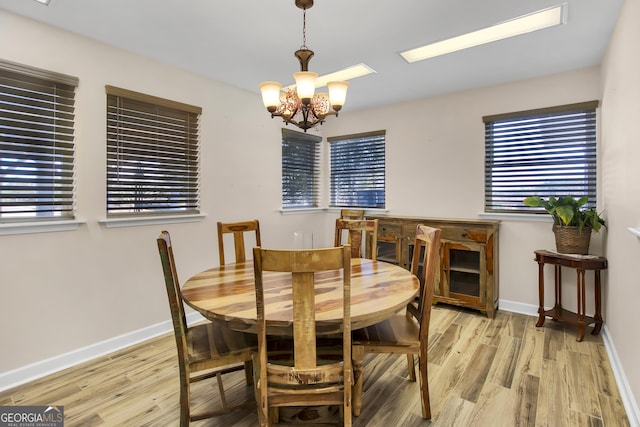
x: 358, y: 231
x: 238, y: 229
x: 352, y: 213
x: 404, y: 333
x: 307, y: 380
x: 210, y: 347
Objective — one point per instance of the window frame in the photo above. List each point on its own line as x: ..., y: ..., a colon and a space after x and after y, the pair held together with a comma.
x: 303, y: 170
x: 525, y: 148
x: 160, y: 137
x: 351, y: 144
x: 38, y: 134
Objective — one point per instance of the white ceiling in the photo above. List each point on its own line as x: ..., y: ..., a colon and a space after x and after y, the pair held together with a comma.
x: 245, y: 42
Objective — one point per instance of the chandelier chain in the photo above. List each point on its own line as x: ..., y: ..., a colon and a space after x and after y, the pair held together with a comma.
x: 304, y: 29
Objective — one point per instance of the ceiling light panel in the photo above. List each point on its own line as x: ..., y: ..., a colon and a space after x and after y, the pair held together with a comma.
x: 525, y: 24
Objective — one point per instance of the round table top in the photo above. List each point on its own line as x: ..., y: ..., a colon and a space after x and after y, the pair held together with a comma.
x: 227, y: 293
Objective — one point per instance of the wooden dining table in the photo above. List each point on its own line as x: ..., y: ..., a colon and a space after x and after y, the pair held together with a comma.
x: 227, y: 293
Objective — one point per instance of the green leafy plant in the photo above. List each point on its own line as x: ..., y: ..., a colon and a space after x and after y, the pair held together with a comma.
x: 568, y: 211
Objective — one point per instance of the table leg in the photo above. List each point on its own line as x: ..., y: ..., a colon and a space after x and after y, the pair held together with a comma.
x: 581, y: 304
x: 541, y: 316
x: 557, y: 307
x: 598, y: 315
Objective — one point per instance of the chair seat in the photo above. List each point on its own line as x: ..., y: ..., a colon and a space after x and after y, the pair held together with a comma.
x: 213, y: 342
x: 397, y: 331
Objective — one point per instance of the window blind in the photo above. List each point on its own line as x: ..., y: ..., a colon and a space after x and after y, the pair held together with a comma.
x: 36, y: 143
x: 300, y: 169
x: 152, y: 155
x: 358, y: 170
x: 545, y: 152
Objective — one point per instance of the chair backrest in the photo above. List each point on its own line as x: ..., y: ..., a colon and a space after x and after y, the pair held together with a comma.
x: 424, y: 264
x: 238, y: 229
x: 352, y: 213
x: 358, y: 231
x: 302, y: 264
x: 175, y: 297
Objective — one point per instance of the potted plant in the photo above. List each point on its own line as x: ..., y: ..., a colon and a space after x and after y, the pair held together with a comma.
x: 572, y: 223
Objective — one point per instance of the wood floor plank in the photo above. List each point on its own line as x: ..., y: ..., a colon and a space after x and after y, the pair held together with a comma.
x: 475, y: 375
x: 554, y: 381
x: 440, y: 347
x: 517, y: 324
x: 456, y: 411
x: 503, y: 370
x: 525, y: 404
x: 553, y: 398
x: 494, y: 407
x: 581, y: 380
x: 532, y: 350
x: 612, y: 415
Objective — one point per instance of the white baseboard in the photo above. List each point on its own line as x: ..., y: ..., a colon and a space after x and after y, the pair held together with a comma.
x: 628, y: 399
x: 49, y: 366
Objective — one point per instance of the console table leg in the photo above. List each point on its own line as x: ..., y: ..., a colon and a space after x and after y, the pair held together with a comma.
x: 581, y: 304
x: 598, y: 315
x: 541, y: 315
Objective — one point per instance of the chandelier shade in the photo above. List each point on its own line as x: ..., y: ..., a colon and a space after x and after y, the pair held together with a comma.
x: 303, y: 106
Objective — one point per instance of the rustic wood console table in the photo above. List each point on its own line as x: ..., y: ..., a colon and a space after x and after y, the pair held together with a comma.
x: 580, y: 264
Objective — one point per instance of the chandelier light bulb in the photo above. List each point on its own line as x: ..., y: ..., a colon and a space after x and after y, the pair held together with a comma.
x: 305, y: 85
x: 337, y: 94
x: 270, y: 95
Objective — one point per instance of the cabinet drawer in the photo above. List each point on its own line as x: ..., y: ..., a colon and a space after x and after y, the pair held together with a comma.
x: 389, y: 229
x: 462, y: 234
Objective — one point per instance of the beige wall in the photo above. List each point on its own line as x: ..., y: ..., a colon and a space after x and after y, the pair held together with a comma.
x: 621, y: 188
x: 67, y: 290
x: 435, y: 164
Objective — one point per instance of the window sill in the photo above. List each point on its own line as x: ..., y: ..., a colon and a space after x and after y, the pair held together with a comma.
x: 296, y: 211
x: 150, y: 220
x: 516, y: 217
x: 39, y: 227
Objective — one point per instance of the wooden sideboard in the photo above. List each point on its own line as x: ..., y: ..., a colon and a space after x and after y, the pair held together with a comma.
x: 468, y: 261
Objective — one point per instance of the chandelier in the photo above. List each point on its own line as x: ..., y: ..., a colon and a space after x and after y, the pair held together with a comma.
x: 301, y: 106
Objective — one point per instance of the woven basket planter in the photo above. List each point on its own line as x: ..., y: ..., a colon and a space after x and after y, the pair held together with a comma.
x: 569, y: 240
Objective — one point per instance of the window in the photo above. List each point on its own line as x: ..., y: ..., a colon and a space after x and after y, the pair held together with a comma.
x: 550, y: 151
x: 36, y: 144
x: 152, y: 155
x: 300, y: 169
x: 358, y: 170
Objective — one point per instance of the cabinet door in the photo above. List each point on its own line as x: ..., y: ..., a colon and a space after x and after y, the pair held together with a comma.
x: 389, y: 249
x: 463, y: 274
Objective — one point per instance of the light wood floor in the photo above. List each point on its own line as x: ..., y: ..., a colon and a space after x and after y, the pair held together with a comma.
x: 482, y: 372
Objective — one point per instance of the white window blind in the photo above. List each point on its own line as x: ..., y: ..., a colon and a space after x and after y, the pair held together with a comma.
x: 152, y: 155
x: 358, y: 170
x: 36, y: 143
x: 545, y: 152
x: 300, y: 169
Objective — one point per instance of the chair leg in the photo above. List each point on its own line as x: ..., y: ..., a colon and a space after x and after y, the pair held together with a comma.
x: 357, y: 355
x: 411, y: 367
x: 248, y: 371
x: 347, y: 407
x: 424, y: 383
x: 185, y: 414
x: 223, y: 397
x: 260, y: 393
